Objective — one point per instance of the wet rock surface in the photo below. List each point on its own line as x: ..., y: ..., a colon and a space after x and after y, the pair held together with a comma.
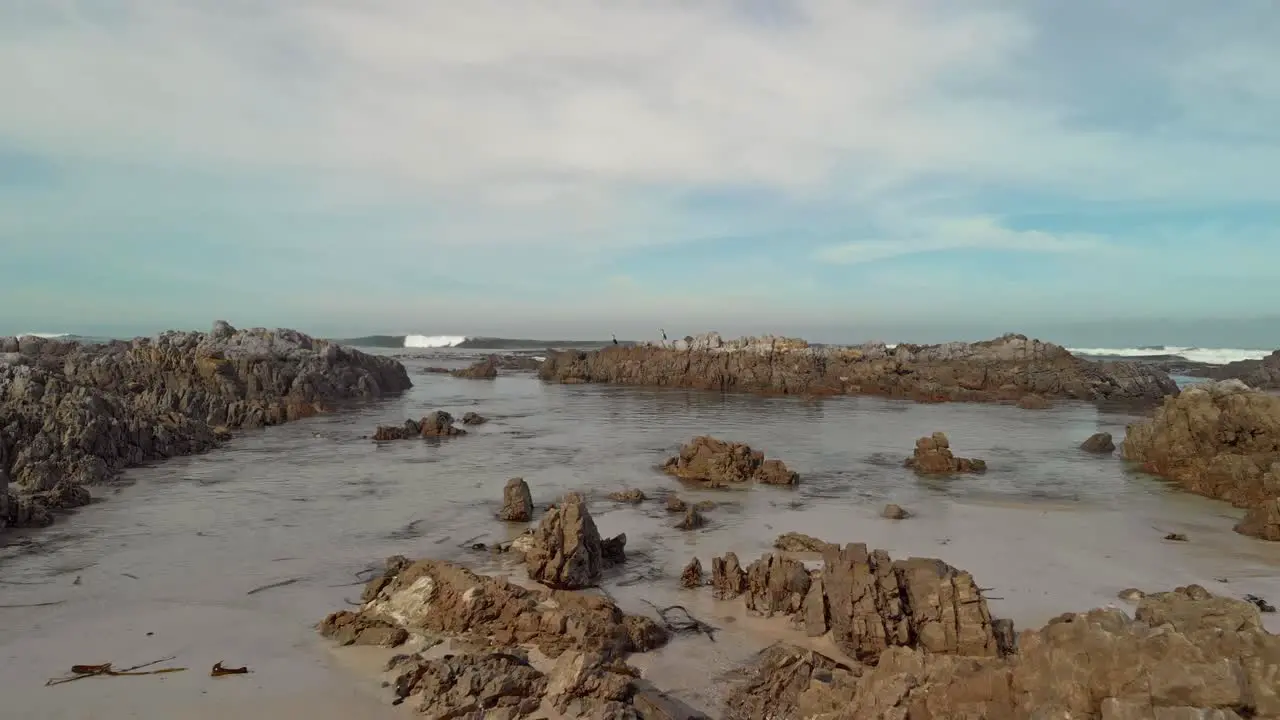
x: 1220, y: 440
x: 485, y: 369
x: 630, y: 496
x: 719, y: 463
x: 474, y: 418
x: 437, y: 423
x: 1100, y: 443
x: 691, y: 576
x: 894, y: 512
x: 76, y: 414
x: 933, y: 456
x: 1004, y: 369
x: 692, y: 520
x: 799, y: 542
x: 567, y: 551
x: 517, y: 501
x: 1261, y: 374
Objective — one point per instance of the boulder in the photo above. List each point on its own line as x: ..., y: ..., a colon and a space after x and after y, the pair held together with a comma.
x: 728, y: 579
x: 485, y: 369
x: 1100, y: 443
x: 718, y: 463
x: 692, y: 520
x: 517, y: 501
x: 566, y: 550
x: 631, y: 496
x: 894, y: 512
x: 473, y: 418
x: 1261, y: 374
x: 1218, y: 439
x: 1003, y: 369
x: 776, y: 584
x: 77, y: 414
x: 799, y: 542
x: 675, y: 505
x: 439, y: 423
x: 691, y: 576
x: 1262, y: 521
x: 933, y: 456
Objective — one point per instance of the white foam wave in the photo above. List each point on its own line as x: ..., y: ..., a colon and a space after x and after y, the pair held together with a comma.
x: 47, y: 336
x: 433, y: 341
x: 1210, y: 356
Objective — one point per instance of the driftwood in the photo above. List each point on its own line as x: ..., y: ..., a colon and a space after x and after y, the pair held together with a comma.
x: 80, y: 672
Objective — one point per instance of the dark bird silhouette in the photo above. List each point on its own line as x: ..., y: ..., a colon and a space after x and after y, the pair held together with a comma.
x: 615, y: 338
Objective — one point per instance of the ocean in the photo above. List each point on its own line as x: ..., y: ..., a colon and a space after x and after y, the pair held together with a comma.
x: 174, y: 562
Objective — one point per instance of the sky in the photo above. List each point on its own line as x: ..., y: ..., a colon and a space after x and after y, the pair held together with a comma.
x: 850, y: 169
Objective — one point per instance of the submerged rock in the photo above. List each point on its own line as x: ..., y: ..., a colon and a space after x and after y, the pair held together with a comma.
x: 933, y: 456
x: 1220, y: 440
x: 517, y: 501
x: 719, y: 463
x: 77, y: 414
x: 1004, y: 369
x: 692, y: 520
x: 1100, y: 443
x: 894, y: 512
x: 485, y: 369
x: 473, y: 418
x: 437, y: 423
x: 632, y: 496
x: 799, y: 542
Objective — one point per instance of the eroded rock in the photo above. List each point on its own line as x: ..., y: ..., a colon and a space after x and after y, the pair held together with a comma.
x: 894, y: 512
x: 728, y: 578
x: 692, y: 520
x: 517, y: 501
x: 718, y: 463
x: 473, y: 418
x: 1100, y: 443
x: 776, y: 584
x: 691, y: 576
x: 933, y: 456
x: 485, y: 369
x: 799, y: 542
x: 566, y: 550
x: 629, y: 496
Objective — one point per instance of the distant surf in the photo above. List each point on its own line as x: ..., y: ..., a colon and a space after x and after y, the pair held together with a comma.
x: 1207, y: 356
x: 467, y: 342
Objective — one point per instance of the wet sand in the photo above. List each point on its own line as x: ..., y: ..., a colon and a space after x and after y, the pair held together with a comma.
x: 1049, y: 528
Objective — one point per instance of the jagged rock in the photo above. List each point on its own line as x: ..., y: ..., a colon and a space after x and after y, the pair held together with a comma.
x: 1131, y: 595
x: 489, y: 685
x: 613, y: 550
x: 517, y: 501
x: 719, y: 463
x: 585, y: 682
x: 1261, y: 374
x: 675, y: 504
x: 776, y: 584
x: 933, y: 456
x: 1033, y: 402
x: 780, y: 677
x: 799, y: 542
x: 1100, y: 443
x: 691, y: 576
x: 1262, y: 521
x: 815, y: 617
x: 566, y: 551
x: 439, y: 423
x: 894, y: 512
x: 76, y: 414
x: 441, y: 598
x: 692, y: 520
x: 632, y: 496
x: 485, y: 369
x: 727, y: 577
x: 473, y: 418
x: 1220, y: 440
x: 1003, y: 369
x: 875, y: 602
x: 349, y: 628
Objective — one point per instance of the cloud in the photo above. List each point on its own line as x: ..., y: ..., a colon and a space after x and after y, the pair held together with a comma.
x: 980, y: 233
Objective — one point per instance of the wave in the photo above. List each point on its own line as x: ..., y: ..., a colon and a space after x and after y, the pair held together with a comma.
x: 467, y: 342
x: 434, y: 341
x: 47, y: 336
x: 1208, y: 356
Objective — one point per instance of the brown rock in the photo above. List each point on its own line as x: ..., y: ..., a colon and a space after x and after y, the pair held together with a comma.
x: 776, y: 584
x: 1100, y: 443
x: 517, y: 501
x: 799, y: 542
x: 473, y: 418
x: 1033, y: 402
x: 1220, y: 440
x: 632, y: 496
x: 348, y: 628
x: 675, y: 504
x: 485, y: 369
x: 719, y: 463
x: 1262, y: 521
x: 1261, y: 374
x: 691, y: 576
x: 1002, y: 369
x: 613, y: 550
x: 933, y: 456
x: 727, y: 577
x: 458, y: 686
x: 439, y: 424
x: 894, y: 512
x: 786, y: 681
x: 692, y: 520
x: 566, y: 551
x: 815, y: 609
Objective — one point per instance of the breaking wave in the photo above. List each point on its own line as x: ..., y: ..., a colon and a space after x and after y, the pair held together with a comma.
x: 434, y: 341
x: 1208, y: 356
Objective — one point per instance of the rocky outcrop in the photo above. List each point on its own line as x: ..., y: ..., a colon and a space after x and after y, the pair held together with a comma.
x: 517, y: 501
x: 76, y: 414
x: 799, y: 542
x: 1262, y: 374
x: 691, y: 575
x: 1003, y: 369
x: 719, y: 463
x: 1100, y: 443
x: 776, y: 584
x: 693, y: 519
x: 437, y: 423
x: 631, y: 496
x: 1220, y: 440
x: 485, y: 369
x: 567, y: 551
x: 728, y: 578
x: 473, y: 418
x: 933, y: 456
x: 1184, y: 654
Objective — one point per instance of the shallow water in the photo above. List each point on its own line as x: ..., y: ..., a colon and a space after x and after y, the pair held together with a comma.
x: 165, y: 565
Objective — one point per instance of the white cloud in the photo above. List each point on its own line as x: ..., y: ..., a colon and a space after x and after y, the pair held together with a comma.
x: 977, y: 233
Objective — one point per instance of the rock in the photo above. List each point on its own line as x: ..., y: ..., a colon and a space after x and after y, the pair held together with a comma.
x: 1262, y: 374
x: 1100, y: 443
x: 473, y: 418
x: 691, y: 576
x: 586, y: 682
x: 1263, y: 520
x: 1003, y: 369
x: 473, y: 686
x: 799, y: 542
x: 348, y: 628
x: 613, y: 550
x: 719, y: 463
x: 874, y: 603
x: 1131, y: 595
x: 633, y: 497
x: 77, y: 414
x: 692, y: 520
x: 727, y: 577
x: 675, y: 504
x: 439, y: 424
x: 517, y: 501
x: 434, y: 597
x: 894, y: 512
x: 566, y: 551
x: 485, y: 369
x: 1033, y: 402
x: 816, y: 619
x: 1217, y: 439
x: 776, y: 584
x: 933, y: 456
x: 782, y: 683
